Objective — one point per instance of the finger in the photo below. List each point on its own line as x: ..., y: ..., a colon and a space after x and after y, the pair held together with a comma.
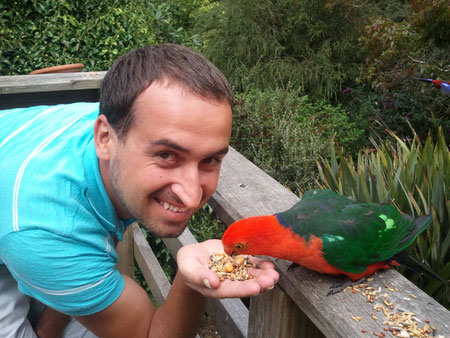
x: 202, y: 278
x: 235, y: 289
x: 261, y: 263
x: 266, y: 278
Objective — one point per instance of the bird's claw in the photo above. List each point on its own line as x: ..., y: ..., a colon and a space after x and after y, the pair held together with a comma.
x: 292, y: 266
x: 339, y: 287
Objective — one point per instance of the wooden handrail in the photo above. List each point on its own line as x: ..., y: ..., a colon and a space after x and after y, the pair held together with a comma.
x: 26, y: 84
x: 245, y: 190
x: 299, y: 305
x: 32, y: 90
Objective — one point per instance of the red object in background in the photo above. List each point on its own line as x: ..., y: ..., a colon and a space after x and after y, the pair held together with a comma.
x: 70, y: 68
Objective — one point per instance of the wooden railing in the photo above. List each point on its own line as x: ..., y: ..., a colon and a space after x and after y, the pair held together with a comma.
x: 298, y: 306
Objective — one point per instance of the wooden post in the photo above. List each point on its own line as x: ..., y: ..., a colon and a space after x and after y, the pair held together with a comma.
x: 125, y: 250
x: 273, y: 314
x: 151, y: 269
x: 244, y: 190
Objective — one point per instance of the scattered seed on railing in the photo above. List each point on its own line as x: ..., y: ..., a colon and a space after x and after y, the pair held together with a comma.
x: 399, y: 322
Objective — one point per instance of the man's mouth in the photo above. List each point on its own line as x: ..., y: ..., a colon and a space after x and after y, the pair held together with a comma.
x: 173, y: 208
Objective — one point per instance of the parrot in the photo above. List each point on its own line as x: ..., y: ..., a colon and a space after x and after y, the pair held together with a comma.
x: 331, y: 234
x: 444, y: 86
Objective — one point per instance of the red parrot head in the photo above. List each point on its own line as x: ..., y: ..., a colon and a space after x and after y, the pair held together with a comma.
x: 250, y: 236
x: 437, y: 83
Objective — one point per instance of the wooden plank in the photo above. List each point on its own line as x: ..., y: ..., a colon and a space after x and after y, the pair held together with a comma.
x: 20, y: 91
x: 21, y: 100
x: 174, y: 244
x: 283, y: 322
x: 335, y: 312
x: 26, y: 84
x: 244, y: 190
x: 230, y: 316
x: 125, y: 251
x: 151, y: 269
x: 148, y: 263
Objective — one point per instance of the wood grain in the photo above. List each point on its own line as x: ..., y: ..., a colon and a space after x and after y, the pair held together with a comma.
x: 125, y: 251
x: 21, y: 91
x: 148, y: 263
x: 244, y: 190
x: 25, y: 84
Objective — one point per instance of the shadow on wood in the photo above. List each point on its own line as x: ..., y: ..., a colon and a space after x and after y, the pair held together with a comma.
x: 299, y: 305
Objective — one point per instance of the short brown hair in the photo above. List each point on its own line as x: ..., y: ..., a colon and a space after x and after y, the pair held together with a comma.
x: 132, y: 73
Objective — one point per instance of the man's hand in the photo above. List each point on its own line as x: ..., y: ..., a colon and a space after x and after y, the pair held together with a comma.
x: 193, y: 266
x: 133, y: 315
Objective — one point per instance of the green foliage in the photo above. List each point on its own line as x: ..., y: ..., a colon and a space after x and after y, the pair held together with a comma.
x: 395, y: 10
x: 418, y: 104
x: 331, y: 122
x: 183, y: 11
x: 140, y: 279
x: 161, y: 252
x: 310, y: 45
x: 37, y: 34
x: 205, y: 224
x: 397, y: 51
x: 432, y: 18
x: 388, y: 46
x: 415, y: 177
x: 397, y: 47
x: 285, y: 134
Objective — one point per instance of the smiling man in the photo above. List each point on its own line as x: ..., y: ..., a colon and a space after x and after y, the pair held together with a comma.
x: 175, y: 163
x: 75, y: 176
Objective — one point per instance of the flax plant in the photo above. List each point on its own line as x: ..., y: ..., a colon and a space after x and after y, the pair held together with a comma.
x: 414, y: 177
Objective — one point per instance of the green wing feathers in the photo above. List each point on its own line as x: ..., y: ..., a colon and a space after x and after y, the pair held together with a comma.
x: 354, y: 234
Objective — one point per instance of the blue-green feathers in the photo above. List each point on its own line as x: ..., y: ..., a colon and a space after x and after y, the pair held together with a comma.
x: 354, y: 235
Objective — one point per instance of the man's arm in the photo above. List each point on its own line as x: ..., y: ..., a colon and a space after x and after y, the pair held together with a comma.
x: 133, y: 314
x: 51, y: 324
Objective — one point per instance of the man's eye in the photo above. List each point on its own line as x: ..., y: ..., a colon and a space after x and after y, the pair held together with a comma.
x: 166, y: 156
x: 211, y: 161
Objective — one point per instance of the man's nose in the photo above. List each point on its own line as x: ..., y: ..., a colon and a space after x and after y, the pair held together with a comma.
x: 188, y: 187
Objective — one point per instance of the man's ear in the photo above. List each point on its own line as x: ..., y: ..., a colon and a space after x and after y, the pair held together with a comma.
x: 104, y: 138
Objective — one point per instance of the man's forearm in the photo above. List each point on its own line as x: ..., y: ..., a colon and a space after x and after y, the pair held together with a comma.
x: 181, y: 314
x: 51, y: 323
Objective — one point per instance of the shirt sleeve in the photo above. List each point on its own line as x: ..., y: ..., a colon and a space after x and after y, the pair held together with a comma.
x: 68, y: 275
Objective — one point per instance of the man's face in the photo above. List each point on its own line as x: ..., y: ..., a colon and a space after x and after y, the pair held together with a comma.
x: 168, y: 165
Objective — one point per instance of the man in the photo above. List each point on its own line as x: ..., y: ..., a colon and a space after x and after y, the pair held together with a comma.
x: 73, y: 177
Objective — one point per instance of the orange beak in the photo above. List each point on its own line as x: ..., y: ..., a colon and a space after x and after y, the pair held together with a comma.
x: 228, y: 250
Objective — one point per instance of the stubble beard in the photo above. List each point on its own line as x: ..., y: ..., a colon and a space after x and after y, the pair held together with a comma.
x: 157, y: 228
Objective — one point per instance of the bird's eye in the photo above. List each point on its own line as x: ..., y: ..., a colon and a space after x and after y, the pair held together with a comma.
x: 239, y: 246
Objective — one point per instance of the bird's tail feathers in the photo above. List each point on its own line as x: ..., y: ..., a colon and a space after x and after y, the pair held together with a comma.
x: 409, y: 261
x: 425, y: 80
x: 420, y: 224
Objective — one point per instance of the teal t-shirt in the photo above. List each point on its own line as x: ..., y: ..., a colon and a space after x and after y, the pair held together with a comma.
x: 57, y: 223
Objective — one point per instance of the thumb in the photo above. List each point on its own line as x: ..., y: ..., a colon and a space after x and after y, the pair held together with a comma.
x: 195, y: 273
x: 202, y: 278
x: 210, y: 279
